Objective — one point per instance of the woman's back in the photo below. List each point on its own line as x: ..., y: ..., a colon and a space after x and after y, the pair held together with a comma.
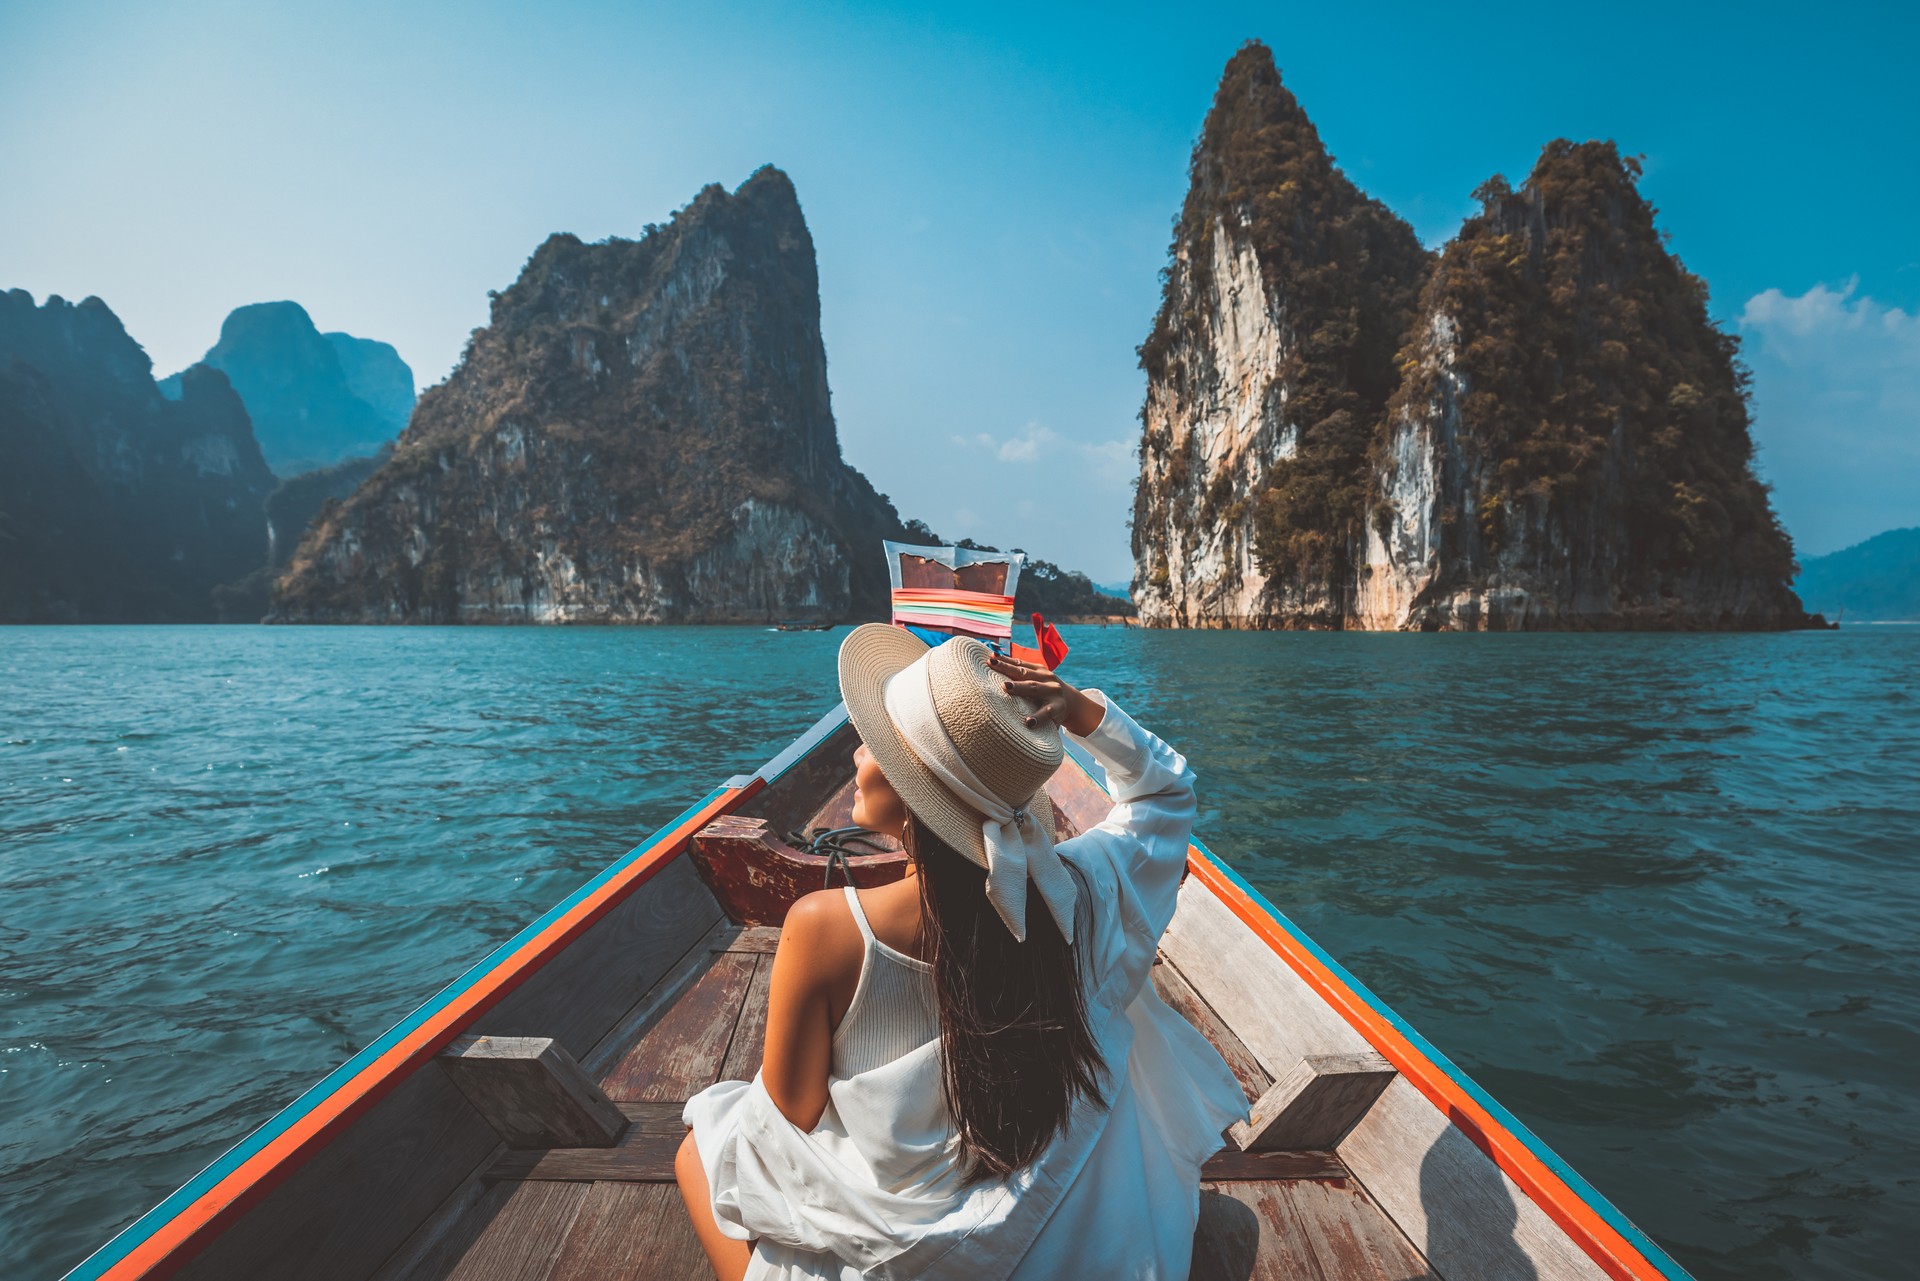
x: 876, y: 1187
x: 893, y: 1011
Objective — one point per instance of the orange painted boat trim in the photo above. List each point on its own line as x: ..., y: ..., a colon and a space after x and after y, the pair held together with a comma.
x: 171, y: 1244
x: 1573, y: 1212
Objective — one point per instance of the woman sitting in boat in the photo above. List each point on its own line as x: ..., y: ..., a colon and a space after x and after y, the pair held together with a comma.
x: 968, y: 1073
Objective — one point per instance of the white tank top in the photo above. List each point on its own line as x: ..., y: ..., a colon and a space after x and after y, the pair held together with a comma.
x: 893, y: 1009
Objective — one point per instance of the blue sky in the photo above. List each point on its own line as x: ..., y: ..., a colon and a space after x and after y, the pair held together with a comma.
x: 990, y: 191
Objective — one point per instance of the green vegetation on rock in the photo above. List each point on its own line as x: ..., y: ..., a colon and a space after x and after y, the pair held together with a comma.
x: 1597, y: 385
x: 1541, y: 426
x: 642, y: 432
x: 1347, y: 271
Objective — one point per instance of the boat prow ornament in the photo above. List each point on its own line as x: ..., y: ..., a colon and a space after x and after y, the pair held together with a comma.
x: 940, y: 592
x: 757, y: 868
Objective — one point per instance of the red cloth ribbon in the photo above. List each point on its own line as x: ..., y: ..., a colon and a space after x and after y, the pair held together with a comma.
x: 1051, y: 651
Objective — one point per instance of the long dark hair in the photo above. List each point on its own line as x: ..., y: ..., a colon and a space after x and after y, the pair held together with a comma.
x: 1015, y: 1047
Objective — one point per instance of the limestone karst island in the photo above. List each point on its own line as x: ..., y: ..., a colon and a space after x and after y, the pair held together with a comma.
x: 1536, y: 427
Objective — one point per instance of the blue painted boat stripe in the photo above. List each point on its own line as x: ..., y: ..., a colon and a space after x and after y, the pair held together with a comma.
x: 1571, y: 1177
x: 123, y: 1243
x: 799, y: 748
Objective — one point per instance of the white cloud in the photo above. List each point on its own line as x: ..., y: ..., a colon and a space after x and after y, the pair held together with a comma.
x: 1112, y: 461
x: 1836, y: 380
x: 1060, y: 498
x: 1109, y: 461
x: 1014, y: 449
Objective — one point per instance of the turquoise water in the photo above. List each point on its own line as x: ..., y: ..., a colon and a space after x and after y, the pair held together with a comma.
x: 1656, y: 893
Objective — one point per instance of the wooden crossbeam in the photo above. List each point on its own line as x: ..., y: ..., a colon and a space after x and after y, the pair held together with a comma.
x: 1315, y: 1104
x: 532, y: 1092
x: 645, y: 1155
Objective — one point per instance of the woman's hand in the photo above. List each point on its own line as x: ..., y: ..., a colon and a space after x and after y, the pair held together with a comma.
x: 1054, y: 700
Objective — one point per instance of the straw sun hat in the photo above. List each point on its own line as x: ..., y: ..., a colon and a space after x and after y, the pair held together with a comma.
x: 987, y: 728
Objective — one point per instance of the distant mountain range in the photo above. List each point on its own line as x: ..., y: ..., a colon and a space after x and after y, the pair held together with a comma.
x: 123, y: 499
x: 1878, y: 580
x: 116, y: 503
x: 643, y: 433
x: 315, y: 399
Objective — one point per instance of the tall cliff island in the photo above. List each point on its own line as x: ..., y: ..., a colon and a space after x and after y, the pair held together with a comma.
x: 642, y: 433
x: 1538, y: 428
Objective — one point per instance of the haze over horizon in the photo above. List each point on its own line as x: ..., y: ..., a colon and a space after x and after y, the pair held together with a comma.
x: 990, y: 196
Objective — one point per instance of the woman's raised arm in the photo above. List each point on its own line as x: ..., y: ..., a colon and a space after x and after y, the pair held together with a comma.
x: 1137, y: 854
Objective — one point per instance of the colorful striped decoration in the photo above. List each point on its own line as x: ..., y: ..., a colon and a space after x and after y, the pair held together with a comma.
x: 950, y: 609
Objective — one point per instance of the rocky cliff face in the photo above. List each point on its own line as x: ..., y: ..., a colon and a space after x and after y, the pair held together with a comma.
x: 1541, y: 429
x: 1270, y: 361
x: 116, y: 504
x: 642, y: 433
x: 315, y: 399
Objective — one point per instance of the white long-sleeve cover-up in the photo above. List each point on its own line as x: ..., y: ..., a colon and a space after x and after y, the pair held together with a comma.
x: 874, y: 1189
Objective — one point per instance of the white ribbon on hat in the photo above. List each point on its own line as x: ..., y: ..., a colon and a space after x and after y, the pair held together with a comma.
x: 1018, y: 844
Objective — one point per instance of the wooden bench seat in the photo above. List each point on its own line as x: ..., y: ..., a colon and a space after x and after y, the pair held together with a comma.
x: 613, y: 1212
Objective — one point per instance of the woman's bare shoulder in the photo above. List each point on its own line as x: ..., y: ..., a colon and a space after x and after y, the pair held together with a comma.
x: 820, y: 935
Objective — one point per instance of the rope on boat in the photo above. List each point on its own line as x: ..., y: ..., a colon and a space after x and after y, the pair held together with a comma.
x: 835, y: 844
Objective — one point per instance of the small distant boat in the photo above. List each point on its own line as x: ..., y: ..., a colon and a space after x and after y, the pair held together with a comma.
x: 523, y: 1122
x: 801, y: 625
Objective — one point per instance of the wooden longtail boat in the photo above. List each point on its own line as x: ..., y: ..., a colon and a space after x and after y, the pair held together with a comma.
x: 1367, y: 1154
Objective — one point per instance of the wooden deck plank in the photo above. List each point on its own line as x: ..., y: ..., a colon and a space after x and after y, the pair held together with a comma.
x: 1178, y: 993
x: 436, y: 1246
x: 513, y: 1233
x: 1299, y: 1230
x: 1348, y: 1235
x: 1252, y: 989
x: 643, y: 1155
x: 1286, y: 1250
x: 443, y: 1252
x: 1348, y: 1226
x: 1231, y: 1164
x: 656, y: 1000
x: 632, y: 1232
x: 1453, y: 1203
x: 749, y: 1045
x: 754, y: 938
x: 1226, y: 1241
x: 430, y: 1239
x: 581, y: 993
x: 682, y: 1052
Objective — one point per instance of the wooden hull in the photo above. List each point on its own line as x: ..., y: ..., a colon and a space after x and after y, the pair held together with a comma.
x: 652, y: 976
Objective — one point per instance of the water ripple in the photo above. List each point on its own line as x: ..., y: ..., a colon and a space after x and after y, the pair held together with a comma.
x: 1655, y: 892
